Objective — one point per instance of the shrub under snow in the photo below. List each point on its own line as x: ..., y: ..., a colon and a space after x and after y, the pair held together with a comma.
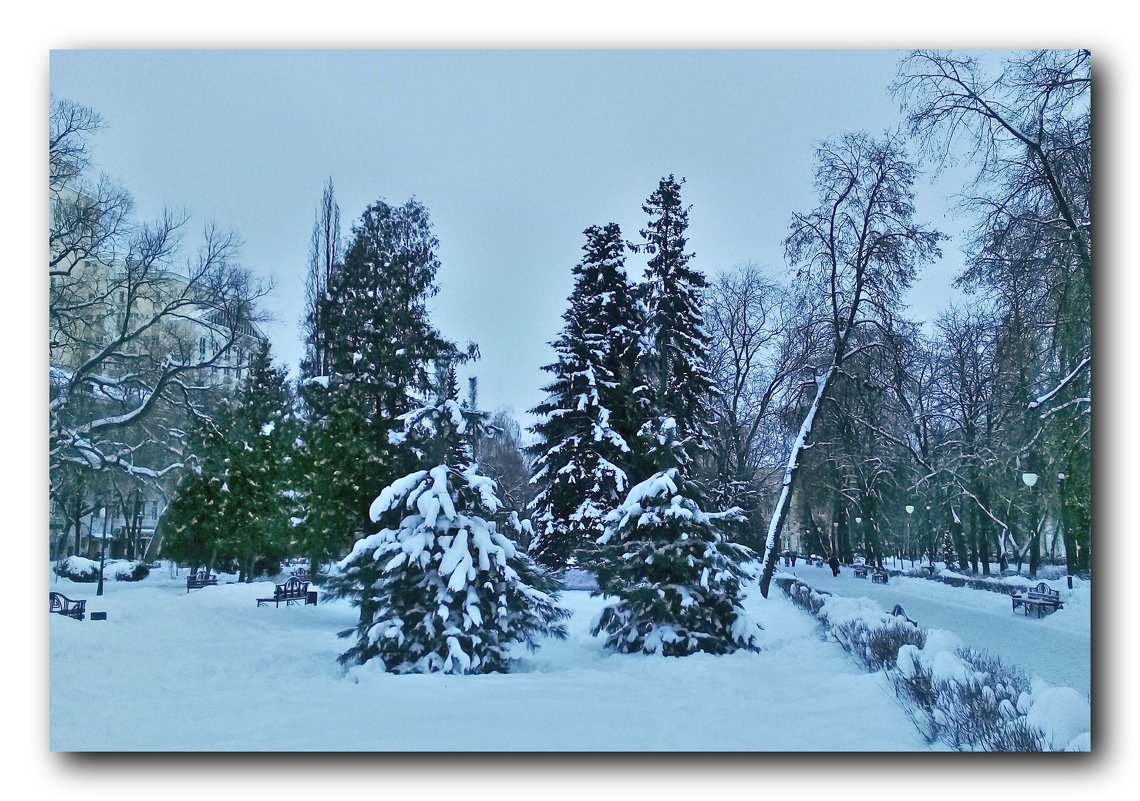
x: 77, y: 568
x: 968, y: 699
x: 82, y: 570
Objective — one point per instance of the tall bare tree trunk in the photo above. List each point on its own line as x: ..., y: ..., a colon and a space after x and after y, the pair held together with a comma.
x: 779, y: 515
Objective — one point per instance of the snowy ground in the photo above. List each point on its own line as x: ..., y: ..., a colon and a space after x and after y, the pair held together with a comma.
x: 209, y: 670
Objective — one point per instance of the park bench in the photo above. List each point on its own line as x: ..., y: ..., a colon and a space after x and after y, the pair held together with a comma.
x: 290, y: 592
x: 898, y: 611
x: 1040, y: 599
x: 62, y: 605
x: 199, y: 580
x: 301, y: 573
x: 861, y: 571
x: 879, y: 577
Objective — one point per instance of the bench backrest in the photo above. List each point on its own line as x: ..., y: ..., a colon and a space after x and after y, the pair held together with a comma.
x: 58, y: 602
x: 1042, y: 590
x: 294, y: 586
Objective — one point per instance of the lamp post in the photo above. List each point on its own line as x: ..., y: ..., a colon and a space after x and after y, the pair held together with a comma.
x: 103, y: 551
x: 1067, y: 537
x: 1030, y: 479
x: 909, y: 512
x: 930, y: 533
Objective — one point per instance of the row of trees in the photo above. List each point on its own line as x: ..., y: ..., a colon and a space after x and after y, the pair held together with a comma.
x: 132, y: 306
x: 809, y: 402
x: 832, y: 413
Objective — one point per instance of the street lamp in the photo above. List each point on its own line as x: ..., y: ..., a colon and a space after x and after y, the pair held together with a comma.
x: 1070, y: 558
x: 909, y: 512
x: 1030, y: 479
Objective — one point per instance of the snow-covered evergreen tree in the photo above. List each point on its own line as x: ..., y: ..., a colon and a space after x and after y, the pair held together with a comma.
x: 441, y: 589
x: 229, y: 505
x: 676, y: 365
x: 588, y: 417
x: 676, y: 577
x: 378, y: 344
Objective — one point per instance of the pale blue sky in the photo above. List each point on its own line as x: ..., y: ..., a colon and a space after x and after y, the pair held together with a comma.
x: 513, y: 152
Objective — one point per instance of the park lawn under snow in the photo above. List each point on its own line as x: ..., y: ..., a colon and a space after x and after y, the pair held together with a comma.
x: 210, y: 671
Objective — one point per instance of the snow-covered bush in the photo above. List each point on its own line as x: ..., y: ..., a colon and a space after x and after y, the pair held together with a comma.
x: 77, y: 569
x: 801, y: 594
x: 864, y: 630
x: 84, y: 570
x: 442, y: 589
x: 127, y: 571
x: 877, y: 646
x: 969, y: 700
x: 676, y: 578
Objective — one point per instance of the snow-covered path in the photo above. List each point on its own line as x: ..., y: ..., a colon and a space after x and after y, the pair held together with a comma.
x: 211, y: 671
x: 1057, y: 647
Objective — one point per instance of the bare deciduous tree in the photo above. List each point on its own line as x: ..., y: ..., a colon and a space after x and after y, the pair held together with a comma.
x: 133, y: 324
x: 857, y: 252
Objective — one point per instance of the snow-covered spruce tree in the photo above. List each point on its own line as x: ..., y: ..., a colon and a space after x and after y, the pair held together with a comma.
x: 675, y: 368
x: 377, y: 344
x: 442, y: 589
x: 676, y: 577
x: 585, y: 422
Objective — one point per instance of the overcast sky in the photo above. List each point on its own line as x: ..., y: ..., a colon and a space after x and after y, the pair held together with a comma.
x: 513, y: 152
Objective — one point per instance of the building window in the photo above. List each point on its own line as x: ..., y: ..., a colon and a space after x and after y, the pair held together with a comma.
x: 154, y: 510
x: 201, y: 348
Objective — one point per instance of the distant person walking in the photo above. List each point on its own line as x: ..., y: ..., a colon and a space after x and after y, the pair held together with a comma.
x: 787, y: 558
x: 834, y: 562
x: 793, y: 558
